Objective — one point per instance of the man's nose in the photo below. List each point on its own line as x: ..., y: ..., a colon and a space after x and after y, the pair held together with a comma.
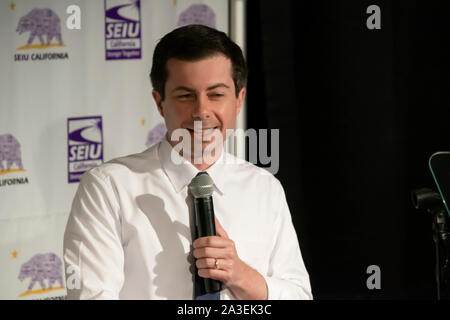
x: 201, y: 108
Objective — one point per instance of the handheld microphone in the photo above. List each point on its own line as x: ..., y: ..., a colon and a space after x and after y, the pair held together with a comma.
x: 201, y: 187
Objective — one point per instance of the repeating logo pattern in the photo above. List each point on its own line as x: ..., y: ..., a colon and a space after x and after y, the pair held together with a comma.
x: 43, y: 27
x: 10, y: 154
x: 123, y: 29
x: 198, y: 14
x: 41, y: 268
x: 156, y: 134
x: 40, y: 23
x: 85, y: 145
x: 10, y: 160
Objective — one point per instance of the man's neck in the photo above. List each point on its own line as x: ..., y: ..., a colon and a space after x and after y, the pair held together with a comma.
x: 203, y: 166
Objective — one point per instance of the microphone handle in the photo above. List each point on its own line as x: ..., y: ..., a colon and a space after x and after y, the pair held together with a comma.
x: 206, y: 226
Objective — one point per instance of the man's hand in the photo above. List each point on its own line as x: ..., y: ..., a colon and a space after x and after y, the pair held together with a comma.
x: 245, y: 282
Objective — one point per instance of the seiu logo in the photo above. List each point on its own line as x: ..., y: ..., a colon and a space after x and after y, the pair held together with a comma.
x: 122, y: 30
x: 85, y: 152
x: 85, y: 145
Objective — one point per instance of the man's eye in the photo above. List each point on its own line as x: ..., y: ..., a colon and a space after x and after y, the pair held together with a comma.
x: 184, y: 96
x: 217, y: 95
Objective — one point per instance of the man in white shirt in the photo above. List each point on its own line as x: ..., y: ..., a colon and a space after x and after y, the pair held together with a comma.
x: 130, y: 231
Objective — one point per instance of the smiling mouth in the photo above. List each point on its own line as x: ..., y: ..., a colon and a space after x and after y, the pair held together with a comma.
x: 205, y: 135
x: 204, y: 130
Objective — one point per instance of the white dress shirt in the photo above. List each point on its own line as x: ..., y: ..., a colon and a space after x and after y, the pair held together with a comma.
x: 129, y: 233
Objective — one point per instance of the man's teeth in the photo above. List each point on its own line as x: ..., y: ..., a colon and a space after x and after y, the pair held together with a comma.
x: 205, y: 131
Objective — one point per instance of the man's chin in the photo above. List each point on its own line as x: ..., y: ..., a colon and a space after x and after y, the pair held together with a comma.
x: 203, y: 152
x: 206, y: 136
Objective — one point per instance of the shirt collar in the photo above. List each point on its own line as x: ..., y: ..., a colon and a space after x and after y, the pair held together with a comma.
x: 181, y: 172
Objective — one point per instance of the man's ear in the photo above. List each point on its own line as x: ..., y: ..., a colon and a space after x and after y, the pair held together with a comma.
x: 158, y: 99
x: 240, y: 100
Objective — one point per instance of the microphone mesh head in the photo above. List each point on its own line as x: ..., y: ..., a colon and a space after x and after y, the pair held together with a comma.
x: 201, y: 186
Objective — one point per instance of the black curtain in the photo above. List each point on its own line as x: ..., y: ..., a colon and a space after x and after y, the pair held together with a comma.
x: 359, y: 111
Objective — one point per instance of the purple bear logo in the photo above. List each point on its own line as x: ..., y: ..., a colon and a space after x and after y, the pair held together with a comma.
x: 156, y: 134
x: 40, y: 22
x: 9, y: 152
x: 198, y: 14
x: 42, y: 267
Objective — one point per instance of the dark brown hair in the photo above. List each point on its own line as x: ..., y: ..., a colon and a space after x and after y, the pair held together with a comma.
x: 193, y: 43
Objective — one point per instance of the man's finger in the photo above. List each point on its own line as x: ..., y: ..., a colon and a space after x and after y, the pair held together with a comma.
x: 205, y: 263
x: 208, y: 252
x: 220, y: 230
x: 212, y: 241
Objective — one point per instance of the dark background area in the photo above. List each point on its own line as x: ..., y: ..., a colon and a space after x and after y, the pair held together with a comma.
x: 360, y: 112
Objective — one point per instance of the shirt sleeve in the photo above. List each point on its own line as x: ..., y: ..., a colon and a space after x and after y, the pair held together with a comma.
x: 93, y: 252
x: 287, y: 277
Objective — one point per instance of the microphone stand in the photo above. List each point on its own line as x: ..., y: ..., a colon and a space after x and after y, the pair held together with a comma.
x: 441, y: 238
x: 432, y: 202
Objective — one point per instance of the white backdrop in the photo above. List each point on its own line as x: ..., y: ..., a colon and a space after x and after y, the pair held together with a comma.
x: 42, y: 87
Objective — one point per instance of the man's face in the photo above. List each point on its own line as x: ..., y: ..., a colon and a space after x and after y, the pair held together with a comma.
x: 200, y: 91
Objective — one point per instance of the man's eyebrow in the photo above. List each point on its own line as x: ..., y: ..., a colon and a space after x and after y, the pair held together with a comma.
x: 218, y: 86
x: 182, y: 88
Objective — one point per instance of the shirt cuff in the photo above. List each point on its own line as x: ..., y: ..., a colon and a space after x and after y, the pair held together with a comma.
x: 279, y: 289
